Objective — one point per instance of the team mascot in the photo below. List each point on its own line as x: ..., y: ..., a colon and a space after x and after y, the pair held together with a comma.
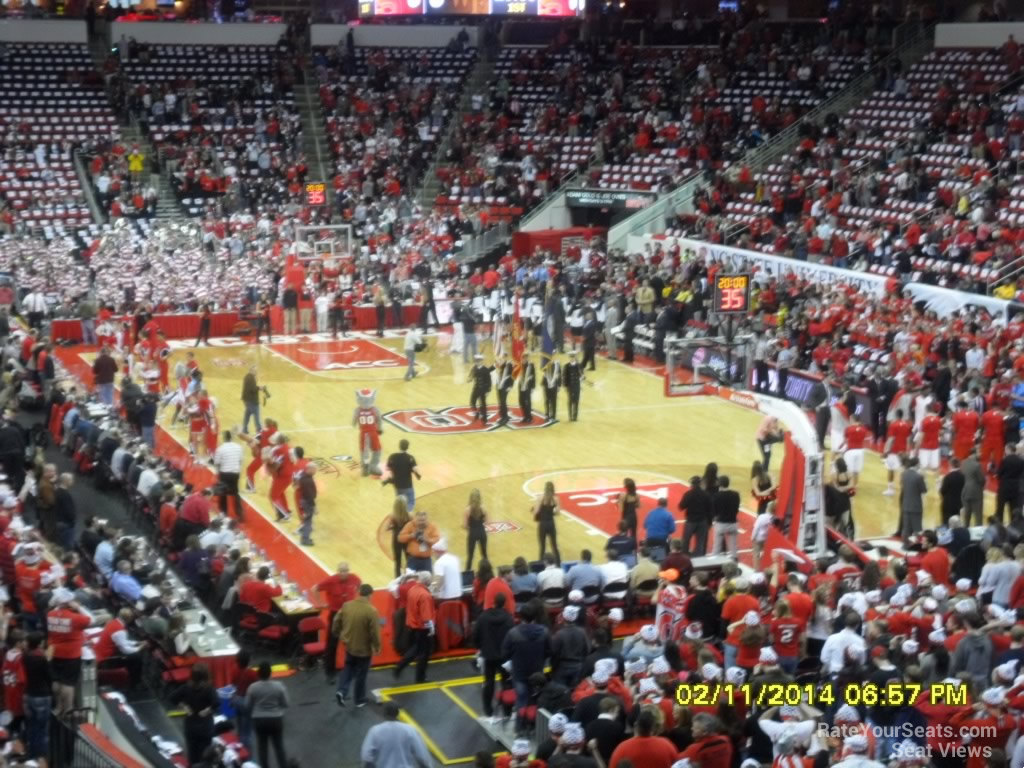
x: 367, y: 418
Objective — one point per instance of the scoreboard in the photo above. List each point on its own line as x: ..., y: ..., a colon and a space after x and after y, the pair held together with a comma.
x: 731, y: 294
x: 316, y: 193
x: 549, y: 8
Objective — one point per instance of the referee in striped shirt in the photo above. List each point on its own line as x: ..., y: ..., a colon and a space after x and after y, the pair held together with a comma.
x: 228, y: 461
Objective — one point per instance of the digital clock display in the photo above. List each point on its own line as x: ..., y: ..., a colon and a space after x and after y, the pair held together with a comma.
x: 316, y: 193
x: 732, y: 294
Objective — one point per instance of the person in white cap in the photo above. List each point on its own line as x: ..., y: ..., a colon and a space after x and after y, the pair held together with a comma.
x: 569, y: 649
x: 518, y: 757
x: 856, y: 749
x: 66, y: 623
x: 447, y: 584
x: 571, y: 744
x: 589, y: 707
x: 556, y: 727
x: 991, y: 723
x: 643, y: 645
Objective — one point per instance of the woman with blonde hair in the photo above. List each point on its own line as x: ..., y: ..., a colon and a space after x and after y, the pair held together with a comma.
x: 476, y: 516
x: 544, y: 512
x: 397, y: 520
x: 997, y: 577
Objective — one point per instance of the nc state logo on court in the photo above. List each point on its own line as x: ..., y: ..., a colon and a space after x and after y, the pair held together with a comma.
x: 459, y: 420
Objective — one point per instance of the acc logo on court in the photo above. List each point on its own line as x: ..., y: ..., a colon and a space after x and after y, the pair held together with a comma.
x: 458, y: 420
x: 502, y: 526
x: 340, y: 355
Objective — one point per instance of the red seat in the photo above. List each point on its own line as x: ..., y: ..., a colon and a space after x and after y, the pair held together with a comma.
x: 312, y: 626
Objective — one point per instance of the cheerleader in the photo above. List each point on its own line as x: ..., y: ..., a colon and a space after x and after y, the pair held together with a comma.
x: 151, y: 377
x: 761, y: 486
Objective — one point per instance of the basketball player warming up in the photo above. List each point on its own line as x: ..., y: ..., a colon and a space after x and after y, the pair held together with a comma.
x: 281, y: 469
x: 258, y: 444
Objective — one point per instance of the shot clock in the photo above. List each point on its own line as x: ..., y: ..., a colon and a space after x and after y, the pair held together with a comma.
x: 732, y: 294
x: 316, y: 193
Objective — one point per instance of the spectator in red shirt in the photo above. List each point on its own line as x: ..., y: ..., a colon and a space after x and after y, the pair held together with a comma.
x: 419, y: 618
x: 935, y: 560
x: 65, y: 634
x: 787, y: 633
x: 337, y: 589
x: 733, y: 611
x: 257, y: 593
x: 645, y: 750
x: 500, y: 585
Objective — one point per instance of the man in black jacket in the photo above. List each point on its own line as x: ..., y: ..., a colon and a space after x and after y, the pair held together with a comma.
x: 589, y: 707
x: 703, y: 611
x: 951, y: 491
x: 1009, y: 475
x: 488, y: 636
x: 569, y: 649
x: 590, y: 329
x: 725, y: 505
x: 607, y: 730
x: 696, y: 504
x: 527, y: 646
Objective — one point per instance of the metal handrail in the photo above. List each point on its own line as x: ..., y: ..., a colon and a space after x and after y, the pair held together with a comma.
x: 756, y: 158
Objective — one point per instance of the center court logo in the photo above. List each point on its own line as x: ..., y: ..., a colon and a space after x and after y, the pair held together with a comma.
x: 599, y: 506
x: 340, y: 355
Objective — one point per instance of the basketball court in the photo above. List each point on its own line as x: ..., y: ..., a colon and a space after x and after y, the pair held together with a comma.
x: 627, y: 428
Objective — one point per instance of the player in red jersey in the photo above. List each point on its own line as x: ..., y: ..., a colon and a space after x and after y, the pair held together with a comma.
x: 993, y: 432
x: 965, y: 428
x: 897, y: 442
x: 281, y: 466
x: 163, y: 356
x: 928, y: 441
x: 854, y: 438
x: 367, y: 418
x: 258, y: 444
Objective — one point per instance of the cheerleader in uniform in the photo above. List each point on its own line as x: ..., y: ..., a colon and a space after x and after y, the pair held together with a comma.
x: 151, y: 376
x: 761, y: 486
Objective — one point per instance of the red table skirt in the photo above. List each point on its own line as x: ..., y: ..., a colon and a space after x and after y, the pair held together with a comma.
x: 222, y: 669
x: 186, y: 326
x: 176, y: 326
